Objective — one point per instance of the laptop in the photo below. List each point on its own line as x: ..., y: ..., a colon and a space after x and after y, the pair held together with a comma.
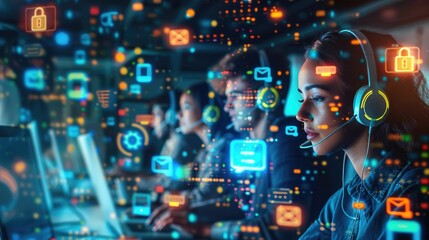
x: 118, y: 225
x: 22, y: 201
x: 59, y: 216
x: 70, y: 189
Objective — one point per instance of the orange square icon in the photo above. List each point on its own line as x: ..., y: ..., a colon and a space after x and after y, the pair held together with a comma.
x: 40, y: 19
x: 398, y: 206
x: 179, y: 37
x: 288, y: 216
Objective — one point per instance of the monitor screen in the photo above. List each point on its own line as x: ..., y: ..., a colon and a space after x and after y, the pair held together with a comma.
x: 22, y: 205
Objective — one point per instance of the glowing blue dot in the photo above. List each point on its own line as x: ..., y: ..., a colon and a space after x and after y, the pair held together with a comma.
x: 192, y: 218
x: 361, y: 77
x: 192, y: 50
x: 381, y: 59
x: 245, y: 207
x: 210, y: 75
x: 312, y: 54
x: 225, y: 235
x: 69, y: 14
x: 62, y: 38
x: 279, y: 82
x: 175, y: 235
x: 116, y: 35
x: 303, y: 178
x: 384, y: 79
x: 19, y: 49
x: 184, y: 153
x: 362, y: 60
x: 121, y: 49
x: 332, y: 14
x: 315, y: 25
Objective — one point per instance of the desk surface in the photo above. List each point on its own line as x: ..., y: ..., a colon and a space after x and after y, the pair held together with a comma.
x: 63, y: 217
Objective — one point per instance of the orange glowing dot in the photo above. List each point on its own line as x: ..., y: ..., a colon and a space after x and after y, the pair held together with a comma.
x: 323, y: 127
x: 123, y: 86
x: 123, y: 70
x: 274, y: 128
x: 297, y: 171
x: 137, y: 6
x: 190, y: 13
x: 334, y: 109
x: 20, y: 167
x: 120, y: 57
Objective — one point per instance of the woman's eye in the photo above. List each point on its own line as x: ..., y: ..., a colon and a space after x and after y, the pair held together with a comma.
x: 301, y: 100
x: 317, y: 99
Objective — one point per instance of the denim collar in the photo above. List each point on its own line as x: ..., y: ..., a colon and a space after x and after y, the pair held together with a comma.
x: 378, y: 181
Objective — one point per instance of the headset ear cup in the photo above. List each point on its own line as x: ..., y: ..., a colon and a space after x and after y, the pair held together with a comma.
x: 371, y: 106
x: 267, y: 99
x: 211, y: 114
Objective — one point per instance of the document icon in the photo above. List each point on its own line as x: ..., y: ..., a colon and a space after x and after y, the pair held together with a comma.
x: 163, y: 165
x: 179, y: 37
x: 398, y: 206
x: 262, y: 74
x: 288, y: 216
x: 291, y: 131
x: 248, y: 155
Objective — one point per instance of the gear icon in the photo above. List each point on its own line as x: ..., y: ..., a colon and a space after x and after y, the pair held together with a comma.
x: 132, y: 140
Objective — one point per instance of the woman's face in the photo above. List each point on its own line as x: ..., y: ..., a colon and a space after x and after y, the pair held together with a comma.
x: 189, y: 115
x: 158, y: 120
x: 324, y: 109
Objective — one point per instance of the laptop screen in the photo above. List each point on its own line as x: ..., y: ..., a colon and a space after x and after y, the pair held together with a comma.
x: 23, y: 210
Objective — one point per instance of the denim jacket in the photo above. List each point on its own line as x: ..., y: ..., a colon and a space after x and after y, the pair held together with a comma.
x: 386, y: 180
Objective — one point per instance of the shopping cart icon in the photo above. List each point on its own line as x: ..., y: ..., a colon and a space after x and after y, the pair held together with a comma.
x: 103, y: 98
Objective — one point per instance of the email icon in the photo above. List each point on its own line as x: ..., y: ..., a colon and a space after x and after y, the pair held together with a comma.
x: 288, y: 216
x: 398, y: 206
x: 262, y: 74
x: 163, y: 165
x: 291, y: 131
x: 179, y: 37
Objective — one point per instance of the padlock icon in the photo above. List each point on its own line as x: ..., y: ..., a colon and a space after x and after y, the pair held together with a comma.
x: 38, y: 20
x: 404, y: 62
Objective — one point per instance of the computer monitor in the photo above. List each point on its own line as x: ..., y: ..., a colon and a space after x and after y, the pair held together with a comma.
x: 59, y: 164
x: 34, y: 134
x: 99, y: 182
x: 23, y: 210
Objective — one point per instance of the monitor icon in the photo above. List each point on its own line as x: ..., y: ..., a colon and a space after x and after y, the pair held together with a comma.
x: 141, y: 204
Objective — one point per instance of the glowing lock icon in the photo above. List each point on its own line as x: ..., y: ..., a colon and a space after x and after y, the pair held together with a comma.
x: 404, y: 62
x: 38, y: 20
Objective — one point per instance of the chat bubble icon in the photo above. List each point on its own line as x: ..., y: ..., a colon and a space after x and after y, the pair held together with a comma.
x: 262, y: 74
x: 248, y: 155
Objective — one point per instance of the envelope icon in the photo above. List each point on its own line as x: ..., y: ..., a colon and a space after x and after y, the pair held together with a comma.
x: 291, y: 131
x: 398, y: 206
x: 262, y: 74
x: 179, y: 37
x: 163, y: 165
x: 288, y: 216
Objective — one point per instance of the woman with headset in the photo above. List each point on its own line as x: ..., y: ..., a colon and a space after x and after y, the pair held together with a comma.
x: 381, y: 131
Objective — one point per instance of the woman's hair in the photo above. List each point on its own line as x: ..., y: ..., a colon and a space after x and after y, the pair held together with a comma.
x: 200, y: 93
x: 407, y: 93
